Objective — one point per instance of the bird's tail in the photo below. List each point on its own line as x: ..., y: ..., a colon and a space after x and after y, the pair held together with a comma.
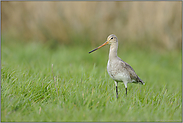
x: 139, y: 80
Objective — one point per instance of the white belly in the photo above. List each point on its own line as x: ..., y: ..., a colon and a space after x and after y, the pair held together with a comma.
x: 122, y: 77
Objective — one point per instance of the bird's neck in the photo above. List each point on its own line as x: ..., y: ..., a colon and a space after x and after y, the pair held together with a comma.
x: 113, y: 50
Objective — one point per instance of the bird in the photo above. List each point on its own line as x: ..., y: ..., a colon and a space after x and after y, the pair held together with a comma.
x: 117, y: 69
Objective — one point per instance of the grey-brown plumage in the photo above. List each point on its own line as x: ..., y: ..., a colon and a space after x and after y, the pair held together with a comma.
x: 119, y: 70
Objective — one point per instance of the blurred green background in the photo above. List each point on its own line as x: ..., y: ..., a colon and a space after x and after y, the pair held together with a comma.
x: 47, y: 73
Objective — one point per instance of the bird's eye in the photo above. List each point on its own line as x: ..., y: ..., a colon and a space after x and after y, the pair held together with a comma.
x: 111, y: 37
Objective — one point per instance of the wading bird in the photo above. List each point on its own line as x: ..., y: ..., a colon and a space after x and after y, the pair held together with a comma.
x: 118, y: 70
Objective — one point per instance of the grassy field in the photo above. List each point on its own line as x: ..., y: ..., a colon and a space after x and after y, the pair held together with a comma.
x: 64, y: 83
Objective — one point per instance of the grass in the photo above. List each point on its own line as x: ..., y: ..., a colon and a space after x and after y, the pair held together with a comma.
x: 78, y: 88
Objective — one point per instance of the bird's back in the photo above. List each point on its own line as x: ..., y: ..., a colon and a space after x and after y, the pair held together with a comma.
x: 122, y: 71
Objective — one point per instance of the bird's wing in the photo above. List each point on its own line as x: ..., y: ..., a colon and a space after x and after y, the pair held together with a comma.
x: 131, y: 71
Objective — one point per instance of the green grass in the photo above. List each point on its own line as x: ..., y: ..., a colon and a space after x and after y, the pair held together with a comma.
x: 82, y: 89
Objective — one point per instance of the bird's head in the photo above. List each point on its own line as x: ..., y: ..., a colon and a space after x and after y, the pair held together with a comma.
x: 110, y: 39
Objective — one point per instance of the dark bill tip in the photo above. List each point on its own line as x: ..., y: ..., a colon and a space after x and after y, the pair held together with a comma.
x: 93, y: 50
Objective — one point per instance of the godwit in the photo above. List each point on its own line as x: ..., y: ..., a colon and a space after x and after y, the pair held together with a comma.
x: 118, y: 70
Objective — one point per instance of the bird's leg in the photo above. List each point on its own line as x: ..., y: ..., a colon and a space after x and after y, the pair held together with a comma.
x: 125, y: 83
x: 116, y: 89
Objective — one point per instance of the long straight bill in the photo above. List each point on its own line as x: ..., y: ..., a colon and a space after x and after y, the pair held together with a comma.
x: 99, y: 46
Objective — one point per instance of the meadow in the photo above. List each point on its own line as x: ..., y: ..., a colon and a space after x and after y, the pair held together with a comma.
x: 44, y: 83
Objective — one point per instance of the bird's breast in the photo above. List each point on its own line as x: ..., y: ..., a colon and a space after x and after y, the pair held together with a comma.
x: 117, y: 72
